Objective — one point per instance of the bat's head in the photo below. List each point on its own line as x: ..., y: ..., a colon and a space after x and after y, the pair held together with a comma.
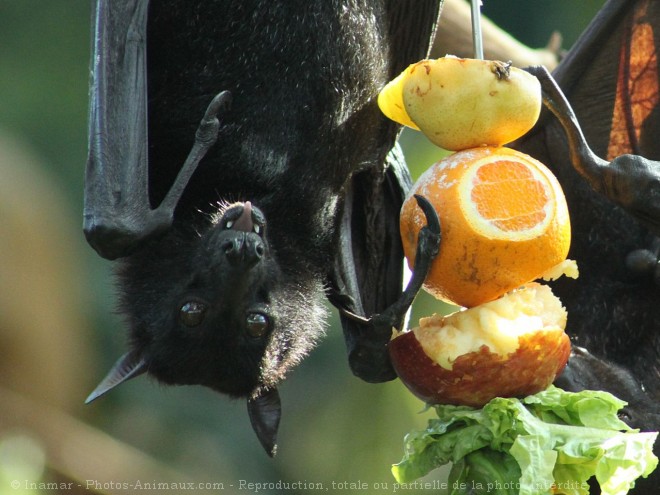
x: 214, y: 307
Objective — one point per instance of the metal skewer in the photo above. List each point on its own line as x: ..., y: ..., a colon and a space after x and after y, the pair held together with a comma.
x: 477, y: 40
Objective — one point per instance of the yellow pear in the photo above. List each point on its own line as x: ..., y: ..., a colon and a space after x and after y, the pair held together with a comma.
x: 464, y: 103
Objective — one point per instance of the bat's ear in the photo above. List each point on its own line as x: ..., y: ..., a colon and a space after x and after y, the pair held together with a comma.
x: 128, y: 366
x: 265, y: 411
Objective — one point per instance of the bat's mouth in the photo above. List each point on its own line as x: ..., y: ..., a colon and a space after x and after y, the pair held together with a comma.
x: 244, y: 217
x: 249, y: 219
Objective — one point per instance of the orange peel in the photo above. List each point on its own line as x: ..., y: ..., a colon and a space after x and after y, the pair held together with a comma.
x: 504, y: 221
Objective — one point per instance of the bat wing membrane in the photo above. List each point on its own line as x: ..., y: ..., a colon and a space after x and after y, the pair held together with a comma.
x: 118, y: 216
x: 367, y: 276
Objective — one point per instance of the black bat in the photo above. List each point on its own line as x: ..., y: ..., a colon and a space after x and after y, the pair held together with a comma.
x: 231, y: 231
x: 610, y: 77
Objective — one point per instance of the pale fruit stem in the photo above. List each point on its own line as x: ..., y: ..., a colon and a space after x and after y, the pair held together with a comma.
x: 477, y: 39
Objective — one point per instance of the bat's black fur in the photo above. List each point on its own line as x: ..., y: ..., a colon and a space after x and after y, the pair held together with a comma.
x: 220, y: 352
x: 302, y: 153
x: 303, y: 76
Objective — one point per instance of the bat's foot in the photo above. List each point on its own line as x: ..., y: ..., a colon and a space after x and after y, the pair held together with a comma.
x: 368, y: 356
x: 428, y: 245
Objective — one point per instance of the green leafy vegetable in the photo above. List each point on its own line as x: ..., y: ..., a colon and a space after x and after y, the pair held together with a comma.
x: 491, y: 470
x: 548, y: 443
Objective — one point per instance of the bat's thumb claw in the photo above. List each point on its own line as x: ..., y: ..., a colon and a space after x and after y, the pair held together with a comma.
x: 219, y: 104
x: 207, y: 132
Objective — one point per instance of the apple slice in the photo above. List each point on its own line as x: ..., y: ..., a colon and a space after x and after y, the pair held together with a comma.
x: 513, y: 346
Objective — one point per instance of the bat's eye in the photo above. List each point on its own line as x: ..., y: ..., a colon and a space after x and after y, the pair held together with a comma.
x: 192, y: 313
x: 257, y: 324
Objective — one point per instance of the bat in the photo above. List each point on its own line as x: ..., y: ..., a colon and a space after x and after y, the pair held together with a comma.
x: 600, y: 139
x: 240, y: 172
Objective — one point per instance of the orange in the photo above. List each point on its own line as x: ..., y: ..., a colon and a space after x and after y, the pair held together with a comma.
x: 504, y: 223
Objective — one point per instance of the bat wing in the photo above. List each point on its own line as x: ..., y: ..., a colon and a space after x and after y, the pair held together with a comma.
x: 610, y: 78
x: 118, y: 217
x: 367, y: 275
x: 368, y: 266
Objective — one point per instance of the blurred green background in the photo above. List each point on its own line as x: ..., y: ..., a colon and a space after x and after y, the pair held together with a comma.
x: 59, y: 333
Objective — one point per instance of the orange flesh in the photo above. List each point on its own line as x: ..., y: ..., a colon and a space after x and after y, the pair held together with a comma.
x: 520, y: 197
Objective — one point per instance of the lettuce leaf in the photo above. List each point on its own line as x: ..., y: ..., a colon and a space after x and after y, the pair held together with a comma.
x: 553, y: 440
x: 487, y: 471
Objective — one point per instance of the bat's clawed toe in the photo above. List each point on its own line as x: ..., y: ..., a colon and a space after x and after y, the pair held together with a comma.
x: 429, y: 236
x: 219, y: 104
x: 428, y: 246
x: 207, y: 132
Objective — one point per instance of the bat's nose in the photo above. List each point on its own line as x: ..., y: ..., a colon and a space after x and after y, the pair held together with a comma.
x: 244, y: 248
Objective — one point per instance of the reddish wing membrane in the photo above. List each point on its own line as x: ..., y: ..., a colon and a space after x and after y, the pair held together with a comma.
x: 637, y: 83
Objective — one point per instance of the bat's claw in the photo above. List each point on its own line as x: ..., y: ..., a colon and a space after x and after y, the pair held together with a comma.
x: 428, y: 246
x: 428, y: 243
x: 368, y: 349
x: 205, y: 137
x: 121, y: 227
x: 207, y: 132
x: 219, y: 105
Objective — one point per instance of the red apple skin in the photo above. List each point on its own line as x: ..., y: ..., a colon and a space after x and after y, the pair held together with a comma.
x: 477, y: 377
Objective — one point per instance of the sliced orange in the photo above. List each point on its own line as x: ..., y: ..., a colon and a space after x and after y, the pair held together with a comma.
x: 504, y: 223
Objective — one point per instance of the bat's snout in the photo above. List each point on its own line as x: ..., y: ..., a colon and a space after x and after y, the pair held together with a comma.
x: 241, y: 234
x: 244, y: 248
